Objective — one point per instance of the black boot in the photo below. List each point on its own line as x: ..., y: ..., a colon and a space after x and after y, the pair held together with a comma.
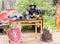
x: 9, y: 41
x: 33, y: 28
x: 38, y: 29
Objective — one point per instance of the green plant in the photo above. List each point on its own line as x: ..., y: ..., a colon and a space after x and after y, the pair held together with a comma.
x: 22, y: 5
x: 55, y: 2
x: 26, y: 28
x: 49, y: 21
x: 4, y: 30
x: 51, y: 10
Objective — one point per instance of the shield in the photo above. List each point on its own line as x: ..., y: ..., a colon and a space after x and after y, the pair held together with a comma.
x: 14, y: 34
x: 57, y: 15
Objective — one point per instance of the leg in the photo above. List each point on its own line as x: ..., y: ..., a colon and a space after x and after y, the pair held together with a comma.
x: 36, y: 31
x: 9, y: 41
x: 33, y: 28
x: 41, y: 27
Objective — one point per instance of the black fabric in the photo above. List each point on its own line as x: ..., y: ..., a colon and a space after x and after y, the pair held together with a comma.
x: 31, y: 11
x: 38, y: 29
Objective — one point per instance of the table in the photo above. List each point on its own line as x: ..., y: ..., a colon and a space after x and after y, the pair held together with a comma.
x: 28, y: 23
x: 4, y: 26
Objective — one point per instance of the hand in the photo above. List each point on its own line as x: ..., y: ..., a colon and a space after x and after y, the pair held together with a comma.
x: 37, y: 15
x: 34, y: 15
x: 27, y: 12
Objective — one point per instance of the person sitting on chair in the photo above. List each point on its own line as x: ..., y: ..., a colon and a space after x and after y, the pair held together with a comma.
x: 32, y: 11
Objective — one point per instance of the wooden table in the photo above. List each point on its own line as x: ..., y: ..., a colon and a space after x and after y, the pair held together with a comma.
x: 4, y: 26
x: 28, y: 23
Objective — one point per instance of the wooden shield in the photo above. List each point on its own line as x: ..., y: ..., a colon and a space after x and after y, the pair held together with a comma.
x: 14, y: 34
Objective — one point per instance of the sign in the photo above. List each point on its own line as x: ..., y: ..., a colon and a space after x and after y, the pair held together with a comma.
x: 58, y: 15
x: 14, y: 34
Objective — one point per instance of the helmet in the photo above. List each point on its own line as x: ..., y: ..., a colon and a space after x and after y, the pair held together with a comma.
x: 33, y: 5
